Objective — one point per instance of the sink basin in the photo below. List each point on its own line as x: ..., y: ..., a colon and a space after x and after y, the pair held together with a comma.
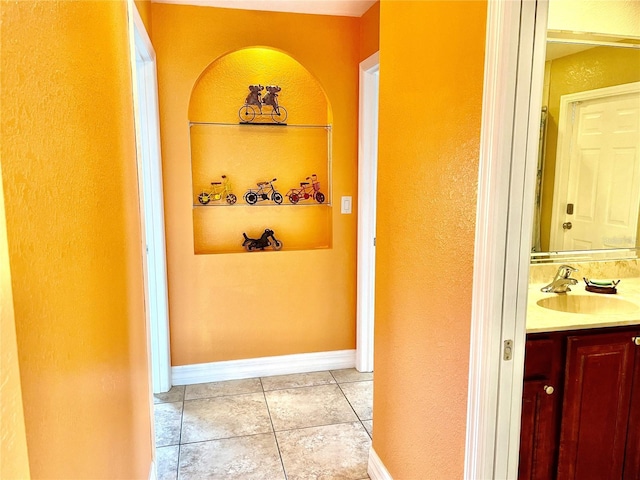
x: 588, y: 304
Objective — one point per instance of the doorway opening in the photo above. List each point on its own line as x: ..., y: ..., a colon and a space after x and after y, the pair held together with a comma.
x: 145, y: 93
x: 367, y: 186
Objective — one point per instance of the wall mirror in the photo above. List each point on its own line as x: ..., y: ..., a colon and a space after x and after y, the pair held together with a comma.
x: 588, y: 177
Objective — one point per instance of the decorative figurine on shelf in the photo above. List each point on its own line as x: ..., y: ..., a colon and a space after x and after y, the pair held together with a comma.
x: 254, y: 96
x: 218, y: 191
x: 248, y: 111
x: 267, y: 239
x: 271, y: 98
x: 265, y: 191
x: 306, y: 191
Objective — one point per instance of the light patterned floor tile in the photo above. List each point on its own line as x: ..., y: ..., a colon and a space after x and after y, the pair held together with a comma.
x: 176, y: 394
x: 223, y: 417
x: 351, y: 375
x: 243, y: 458
x: 327, y: 452
x: 167, y: 419
x: 221, y: 389
x: 280, y: 382
x: 167, y: 462
x: 308, y: 406
x: 360, y: 396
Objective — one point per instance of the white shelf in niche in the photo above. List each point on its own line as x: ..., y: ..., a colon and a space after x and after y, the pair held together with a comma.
x: 284, y: 204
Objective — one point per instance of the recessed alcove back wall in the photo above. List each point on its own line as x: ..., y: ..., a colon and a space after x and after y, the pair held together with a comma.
x: 258, y: 152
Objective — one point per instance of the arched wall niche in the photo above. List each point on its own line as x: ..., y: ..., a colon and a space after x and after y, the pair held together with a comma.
x: 222, y: 87
x: 248, y: 154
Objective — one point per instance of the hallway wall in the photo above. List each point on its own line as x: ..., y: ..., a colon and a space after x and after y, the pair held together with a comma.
x: 73, y: 225
x: 241, y: 305
x: 370, y: 31
x: 14, y: 459
x: 431, y: 77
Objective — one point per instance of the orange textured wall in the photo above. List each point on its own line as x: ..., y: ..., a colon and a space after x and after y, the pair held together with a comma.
x: 14, y: 460
x: 370, y: 31
x: 247, y: 305
x: 144, y: 9
x: 431, y: 75
x: 70, y: 190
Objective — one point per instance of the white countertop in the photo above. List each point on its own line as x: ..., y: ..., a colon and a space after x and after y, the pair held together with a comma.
x: 541, y: 319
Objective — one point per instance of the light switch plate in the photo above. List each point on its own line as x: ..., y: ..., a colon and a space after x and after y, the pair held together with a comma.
x: 345, y: 205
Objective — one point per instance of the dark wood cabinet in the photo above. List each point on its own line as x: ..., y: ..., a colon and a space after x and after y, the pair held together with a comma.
x: 588, y: 427
x: 632, y: 454
x: 596, y: 405
x: 540, y: 409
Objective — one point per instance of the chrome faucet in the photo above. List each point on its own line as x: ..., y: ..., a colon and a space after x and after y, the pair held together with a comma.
x: 562, y: 280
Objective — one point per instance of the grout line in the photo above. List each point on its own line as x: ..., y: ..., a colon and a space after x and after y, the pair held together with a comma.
x: 225, y: 438
x: 178, y: 463
x: 356, y: 413
x: 275, y: 437
x: 318, y: 426
x: 223, y: 396
x: 300, y: 386
x: 354, y: 410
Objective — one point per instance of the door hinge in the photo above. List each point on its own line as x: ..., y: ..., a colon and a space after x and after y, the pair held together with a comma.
x: 374, y: 241
x: 507, y: 351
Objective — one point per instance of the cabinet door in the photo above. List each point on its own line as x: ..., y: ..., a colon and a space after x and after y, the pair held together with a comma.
x: 632, y: 456
x: 540, y: 407
x: 596, y: 406
x: 538, y: 432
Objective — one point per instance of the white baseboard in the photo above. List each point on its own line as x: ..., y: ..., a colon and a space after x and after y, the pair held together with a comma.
x: 262, y: 367
x: 375, y: 468
x: 152, y: 471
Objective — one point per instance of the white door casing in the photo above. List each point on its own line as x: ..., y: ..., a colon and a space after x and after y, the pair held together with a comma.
x: 367, y: 186
x: 597, y: 169
x: 151, y: 199
x: 512, y: 98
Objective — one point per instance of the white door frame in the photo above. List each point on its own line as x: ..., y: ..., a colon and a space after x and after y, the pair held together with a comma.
x: 367, y: 187
x: 564, y: 148
x: 149, y: 163
x: 514, y: 70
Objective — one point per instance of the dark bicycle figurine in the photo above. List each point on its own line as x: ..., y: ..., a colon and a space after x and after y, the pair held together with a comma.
x: 265, y: 191
x: 267, y: 239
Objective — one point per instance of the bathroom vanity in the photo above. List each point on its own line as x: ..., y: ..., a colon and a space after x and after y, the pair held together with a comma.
x: 581, y: 396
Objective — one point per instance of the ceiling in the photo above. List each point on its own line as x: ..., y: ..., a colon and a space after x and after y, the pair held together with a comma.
x: 344, y: 8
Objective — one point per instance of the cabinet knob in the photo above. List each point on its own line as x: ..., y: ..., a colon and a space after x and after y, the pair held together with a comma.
x: 548, y: 389
x: 636, y: 340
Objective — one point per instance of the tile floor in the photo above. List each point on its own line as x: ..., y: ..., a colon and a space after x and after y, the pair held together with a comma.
x: 290, y: 427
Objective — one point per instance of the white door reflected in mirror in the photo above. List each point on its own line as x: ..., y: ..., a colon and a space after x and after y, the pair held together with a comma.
x: 597, y: 170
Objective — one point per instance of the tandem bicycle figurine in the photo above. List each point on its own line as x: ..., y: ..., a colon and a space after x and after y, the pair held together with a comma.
x: 253, y: 104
